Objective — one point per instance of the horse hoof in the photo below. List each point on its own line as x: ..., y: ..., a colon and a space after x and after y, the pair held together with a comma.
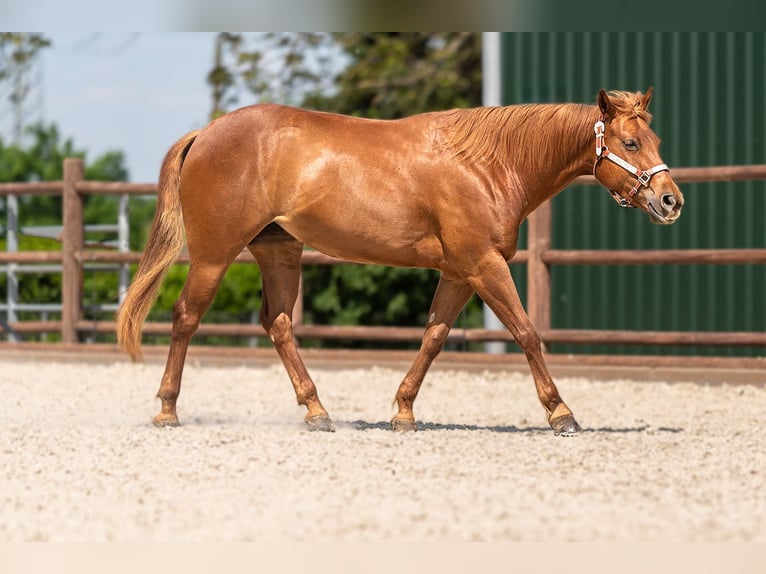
x: 403, y: 425
x: 320, y: 423
x: 565, y: 426
x: 163, y: 420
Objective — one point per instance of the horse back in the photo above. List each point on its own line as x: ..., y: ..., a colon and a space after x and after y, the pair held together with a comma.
x: 365, y: 190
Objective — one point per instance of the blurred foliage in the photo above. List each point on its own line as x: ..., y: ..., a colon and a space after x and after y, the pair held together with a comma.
x: 43, y: 160
x: 19, y: 49
x: 404, y: 73
x: 280, y: 67
x: 375, y: 75
x: 367, y: 74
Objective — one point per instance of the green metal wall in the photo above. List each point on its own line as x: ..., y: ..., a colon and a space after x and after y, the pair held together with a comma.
x: 708, y: 108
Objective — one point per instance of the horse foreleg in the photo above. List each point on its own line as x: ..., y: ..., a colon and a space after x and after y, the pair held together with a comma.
x: 450, y: 297
x: 198, y: 292
x: 495, y: 286
x: 280, y: 264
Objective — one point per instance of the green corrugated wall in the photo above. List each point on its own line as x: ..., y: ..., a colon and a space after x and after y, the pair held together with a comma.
x: 708, y: 108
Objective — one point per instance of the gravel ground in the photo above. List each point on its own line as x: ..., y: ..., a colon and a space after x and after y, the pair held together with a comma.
x: 80, y: 460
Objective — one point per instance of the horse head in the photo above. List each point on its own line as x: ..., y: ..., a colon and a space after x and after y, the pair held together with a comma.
x: 628, y: 160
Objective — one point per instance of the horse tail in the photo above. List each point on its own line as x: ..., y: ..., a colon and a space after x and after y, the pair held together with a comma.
x: 166, y: 238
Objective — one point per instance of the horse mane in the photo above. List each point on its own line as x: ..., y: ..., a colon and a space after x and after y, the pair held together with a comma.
x: 528, y: 131
x: 630, y: 104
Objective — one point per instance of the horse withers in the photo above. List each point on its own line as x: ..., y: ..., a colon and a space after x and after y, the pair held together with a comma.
x: 444, y: 190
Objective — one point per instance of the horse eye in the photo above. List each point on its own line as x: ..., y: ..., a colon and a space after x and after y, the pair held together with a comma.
x: 630, y: 144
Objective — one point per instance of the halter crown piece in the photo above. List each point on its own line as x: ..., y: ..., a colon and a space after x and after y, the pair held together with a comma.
x: 643, y: 176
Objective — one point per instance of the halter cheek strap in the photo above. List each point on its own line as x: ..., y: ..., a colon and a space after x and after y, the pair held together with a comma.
x: 643, y: 177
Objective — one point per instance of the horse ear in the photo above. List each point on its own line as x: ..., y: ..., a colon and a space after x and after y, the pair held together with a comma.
x: 647, y: 97
x: 605, y: 105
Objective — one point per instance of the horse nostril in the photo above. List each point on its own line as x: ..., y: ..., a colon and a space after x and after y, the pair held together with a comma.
x: 668, y: 201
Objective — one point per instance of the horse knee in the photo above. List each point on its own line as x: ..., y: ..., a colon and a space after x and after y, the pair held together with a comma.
x: 434, y: 339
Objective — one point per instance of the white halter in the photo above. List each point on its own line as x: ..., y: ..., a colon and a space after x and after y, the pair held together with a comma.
x: 643, y: 176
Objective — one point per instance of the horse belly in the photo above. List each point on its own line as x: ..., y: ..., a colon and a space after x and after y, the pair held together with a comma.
x: 365, y: 240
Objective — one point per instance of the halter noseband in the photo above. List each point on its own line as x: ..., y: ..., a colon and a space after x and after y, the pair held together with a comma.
x: 643, y: 176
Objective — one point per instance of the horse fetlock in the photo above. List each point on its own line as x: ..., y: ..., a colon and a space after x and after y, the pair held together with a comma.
x: 559, y: 410
x: 308, y: 398
x: 406, y: 397
x: 168, y: 398
x: 312, y: 404
x: 405, y: 419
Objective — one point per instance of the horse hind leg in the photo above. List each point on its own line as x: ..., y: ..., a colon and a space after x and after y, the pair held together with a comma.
x: 197, y: 294
x: 279, y: 257
x: 450, y: 297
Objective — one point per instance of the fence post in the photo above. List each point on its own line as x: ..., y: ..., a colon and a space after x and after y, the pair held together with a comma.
x: 73, y: 241
x: 538, y: 272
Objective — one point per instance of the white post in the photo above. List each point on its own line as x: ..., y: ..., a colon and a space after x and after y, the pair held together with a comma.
x: 491, y: 69
x: 12, y: 246
x: 492, y: 96
x: 123, y: 245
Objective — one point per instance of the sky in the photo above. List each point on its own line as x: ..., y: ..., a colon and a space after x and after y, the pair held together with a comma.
x: 135, y: 93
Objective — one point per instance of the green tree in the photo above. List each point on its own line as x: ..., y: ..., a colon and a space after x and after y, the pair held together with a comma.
x: 399, y: 74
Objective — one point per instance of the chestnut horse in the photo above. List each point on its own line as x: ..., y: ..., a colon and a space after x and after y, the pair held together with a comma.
x: 445, y: 190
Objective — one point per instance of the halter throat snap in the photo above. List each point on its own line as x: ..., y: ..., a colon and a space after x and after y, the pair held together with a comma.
x: 643, y: 177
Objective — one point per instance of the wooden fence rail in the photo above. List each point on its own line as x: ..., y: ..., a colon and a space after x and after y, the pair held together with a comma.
x: 539, y: 257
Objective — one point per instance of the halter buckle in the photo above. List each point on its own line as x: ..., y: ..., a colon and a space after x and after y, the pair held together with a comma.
x: 599, y: 129
x: 644, y: 178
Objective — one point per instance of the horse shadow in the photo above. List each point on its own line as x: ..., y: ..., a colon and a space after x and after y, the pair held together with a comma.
x: 361, y: 425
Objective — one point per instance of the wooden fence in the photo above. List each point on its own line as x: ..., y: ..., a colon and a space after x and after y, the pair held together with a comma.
x: 539, y: 257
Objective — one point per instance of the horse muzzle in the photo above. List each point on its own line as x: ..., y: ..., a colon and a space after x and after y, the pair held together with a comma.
x: 663, y: 205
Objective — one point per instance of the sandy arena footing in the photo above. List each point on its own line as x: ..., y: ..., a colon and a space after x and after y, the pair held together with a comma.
x: 657, y: 461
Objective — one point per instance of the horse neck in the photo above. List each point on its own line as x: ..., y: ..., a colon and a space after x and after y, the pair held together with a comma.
x: 558, y: 146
